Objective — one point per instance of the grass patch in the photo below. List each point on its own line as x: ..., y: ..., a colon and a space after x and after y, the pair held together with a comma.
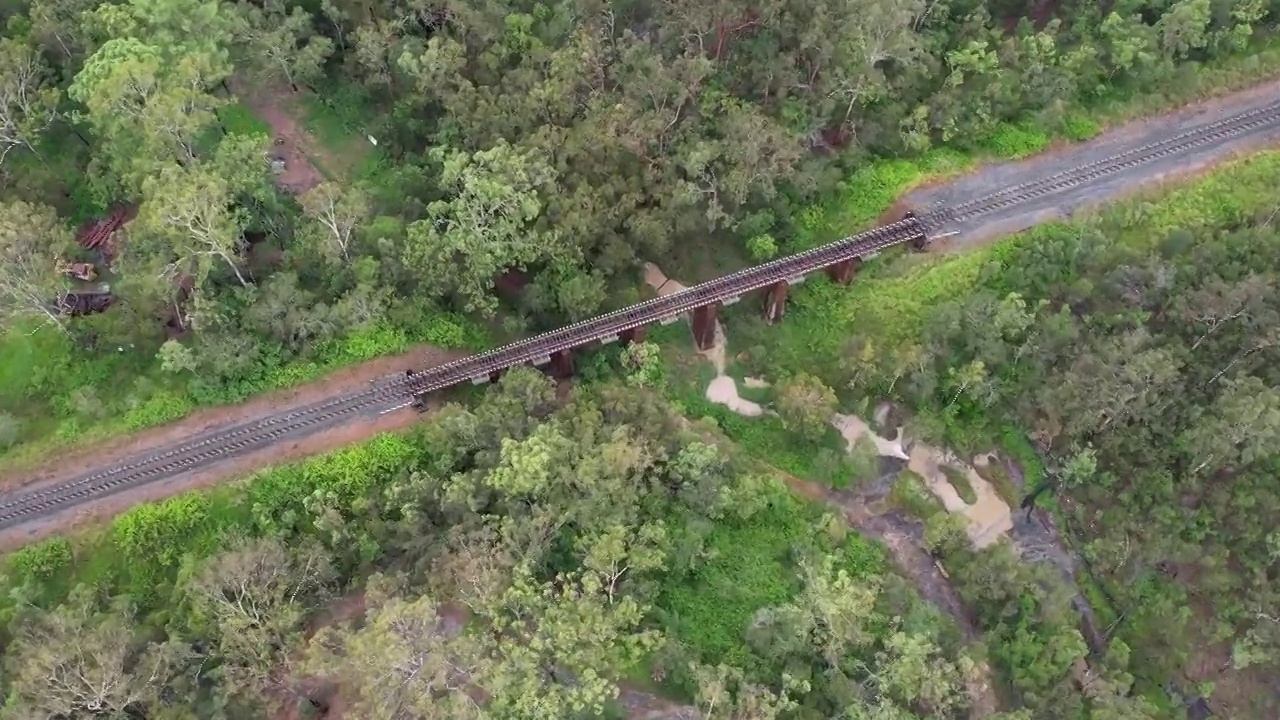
x: 959, y: 480
x: 753, y: 565
x: 238, y: 119
x: 911, y: 494
x: 338, y: 115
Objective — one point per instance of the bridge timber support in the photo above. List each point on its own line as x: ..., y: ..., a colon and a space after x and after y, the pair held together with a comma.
x: 703, y: 320
x: 561, y: 365
x: 843, y: 271
x: 775, y: 301
x: 634, y: 335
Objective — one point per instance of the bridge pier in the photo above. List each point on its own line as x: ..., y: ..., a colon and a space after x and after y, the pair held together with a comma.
x: 843, y: 271
x: 775, y: 302
x: 561, y: 364
x: 492, y: 377
x: 703, y: 321
x: 634, y: 335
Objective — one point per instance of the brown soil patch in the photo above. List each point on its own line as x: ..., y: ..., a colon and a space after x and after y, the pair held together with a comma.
x: 83, y: 460
x: 290, y: 141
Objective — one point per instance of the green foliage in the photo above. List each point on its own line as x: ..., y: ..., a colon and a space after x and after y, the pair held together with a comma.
x: 162, y: 407
x: 912, y: 495
x: 364, y: 344
x: 153, y: 539
x: 642, y: 364
x: 762, y: 247
x: 1011, y: 142
x: 42, y: 562
x: 346, y: 478
x: 750, y: 567
x: 237, y: 119
x: 142, y: 551
x: 1078, y: 127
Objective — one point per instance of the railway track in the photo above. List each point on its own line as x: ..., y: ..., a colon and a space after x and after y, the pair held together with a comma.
x: 395, y: 391
x: 1261, y: 118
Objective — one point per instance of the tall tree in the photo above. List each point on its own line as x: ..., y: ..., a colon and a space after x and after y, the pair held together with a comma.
x: 32, y: 240
x: 405, y: 663
x: 78, y: 663
x: 336, y: 212
x: 280, y: 44
x: 252, y: 599
x: 189, y: 224
x: 488, y: 224
x: 28, y: 97
x: 149, y: 107
x: 557, y: 646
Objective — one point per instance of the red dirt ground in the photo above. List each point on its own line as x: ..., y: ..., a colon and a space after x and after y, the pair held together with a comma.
x: 291, y: 142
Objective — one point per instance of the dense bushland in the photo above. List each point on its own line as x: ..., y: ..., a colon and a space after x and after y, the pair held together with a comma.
x: 565, y: 140
x: 582, y: 544
x: 1134, y: 351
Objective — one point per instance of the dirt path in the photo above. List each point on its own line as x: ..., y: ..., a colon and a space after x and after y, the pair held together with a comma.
x: 998, y: 176
x: 291, y: 143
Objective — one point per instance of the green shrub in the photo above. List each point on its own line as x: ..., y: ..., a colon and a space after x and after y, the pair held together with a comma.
x: 163, y: 406
x: 448, y: 330
x: 910, y: 493
x: 154, y: 538
x: 346, y: 476
x: 1010, y: 141
x: 762, y: 247
x: 367, y: 342
x: 41, y: 562
x: 1077, y: 127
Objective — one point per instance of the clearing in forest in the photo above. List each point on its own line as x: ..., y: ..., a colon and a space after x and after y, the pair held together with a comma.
x: 309, y: 156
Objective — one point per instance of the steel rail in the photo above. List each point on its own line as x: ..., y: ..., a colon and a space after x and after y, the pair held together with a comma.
x: 241, y: 438
x: 1226, y: 128
x: 662, y: 308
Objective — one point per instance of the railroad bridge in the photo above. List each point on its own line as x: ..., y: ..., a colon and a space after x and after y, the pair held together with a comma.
x: 553, y: 350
